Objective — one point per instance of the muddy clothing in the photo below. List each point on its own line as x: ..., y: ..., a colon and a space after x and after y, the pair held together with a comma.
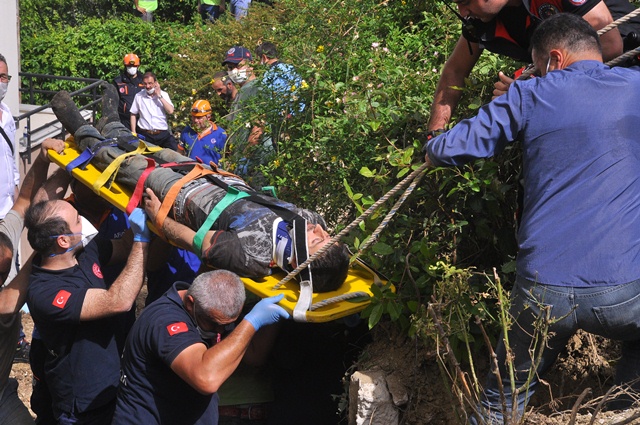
x: 510, y: 31
x: 127, y: 87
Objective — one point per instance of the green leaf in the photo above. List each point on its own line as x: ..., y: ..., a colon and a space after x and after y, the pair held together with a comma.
x: 376, y: 314
x: 366, y: 172
x: 382, y: 249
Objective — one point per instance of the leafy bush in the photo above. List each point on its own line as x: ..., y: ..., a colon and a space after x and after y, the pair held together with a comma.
x: 370, y: 69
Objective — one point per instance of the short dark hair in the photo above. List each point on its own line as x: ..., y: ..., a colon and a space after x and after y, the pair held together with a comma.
x: 2, y: 59
x: 5, y: 240
x: 222, y: 76
x: 564, y: 30
x: 267, y: 48
x: 330, y: 270
x: 42, y: 223
x: 149, y: 74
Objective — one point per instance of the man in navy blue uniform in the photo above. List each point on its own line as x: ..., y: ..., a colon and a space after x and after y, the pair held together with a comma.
x: 78, y: 316
x: 174, y: 360
x: 579, y: 239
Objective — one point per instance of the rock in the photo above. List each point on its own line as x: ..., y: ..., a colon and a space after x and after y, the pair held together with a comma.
x: 370, y: 401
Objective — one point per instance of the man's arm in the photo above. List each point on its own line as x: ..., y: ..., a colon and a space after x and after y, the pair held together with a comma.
x: 457, y: 68
x: 13, y: 295
x: 166, y: 103
x: 132, y: 123
x: 36, y: 176
x: 206, y: 369
x: 122, y: 293
x: 611, y: 41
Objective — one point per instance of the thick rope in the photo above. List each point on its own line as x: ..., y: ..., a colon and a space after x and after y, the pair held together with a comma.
x: 404, y: 183
x: 333, y: 300
x: 376, y: 234
x: 623, y: 58
x: 619, y: 21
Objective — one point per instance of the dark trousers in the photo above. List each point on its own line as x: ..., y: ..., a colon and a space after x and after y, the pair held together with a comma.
x: 163, y: 139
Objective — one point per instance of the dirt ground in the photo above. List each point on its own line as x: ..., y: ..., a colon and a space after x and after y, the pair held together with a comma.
x: 588, y: 363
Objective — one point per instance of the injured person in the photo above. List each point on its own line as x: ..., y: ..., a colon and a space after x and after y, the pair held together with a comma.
x: 213, y: 213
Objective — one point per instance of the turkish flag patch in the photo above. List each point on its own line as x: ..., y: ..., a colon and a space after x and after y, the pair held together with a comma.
x: 96, y: 270
x: 61, y: 299
x: 177, y: 328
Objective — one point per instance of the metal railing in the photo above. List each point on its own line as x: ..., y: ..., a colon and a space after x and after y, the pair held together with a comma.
x: 30, y: 92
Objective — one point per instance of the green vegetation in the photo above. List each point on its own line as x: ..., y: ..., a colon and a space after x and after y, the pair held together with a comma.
x: 370, y: 69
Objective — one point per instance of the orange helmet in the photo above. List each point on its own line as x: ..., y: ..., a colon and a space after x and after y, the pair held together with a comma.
x: 131, y: 59
x: 200, y: 108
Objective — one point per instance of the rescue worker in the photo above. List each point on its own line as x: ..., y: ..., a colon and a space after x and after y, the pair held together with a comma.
x: 202, y: 140
x: 128, y: 84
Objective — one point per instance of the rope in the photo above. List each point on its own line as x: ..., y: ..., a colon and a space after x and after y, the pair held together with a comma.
x: 333, y: 300
x: 404, y: 183
x: 389, y: 216
x: 620, y: 21
x: 622, y: 58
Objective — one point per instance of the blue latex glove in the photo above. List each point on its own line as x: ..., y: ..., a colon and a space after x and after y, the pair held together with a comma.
x: 138, y: 222
x: 266, y: 312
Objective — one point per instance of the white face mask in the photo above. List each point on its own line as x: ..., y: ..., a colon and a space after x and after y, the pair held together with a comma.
x: 87, y: 231
x: 151, y: 91
x: 3, y: 90
x: 132, y: 70
x: 238, y: 75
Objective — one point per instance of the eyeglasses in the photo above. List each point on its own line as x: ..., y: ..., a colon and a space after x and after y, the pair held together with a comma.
x: 5, y: 78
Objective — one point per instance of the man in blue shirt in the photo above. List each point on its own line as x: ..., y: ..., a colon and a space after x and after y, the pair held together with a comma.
x: 174, y: 360
x: 579, y: 238
x: 203, y: 140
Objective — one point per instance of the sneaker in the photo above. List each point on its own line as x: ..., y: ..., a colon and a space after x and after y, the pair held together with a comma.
x: 22, y: 351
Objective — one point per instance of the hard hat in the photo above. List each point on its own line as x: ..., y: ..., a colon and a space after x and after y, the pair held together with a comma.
x: 131, y: 59
x: 200, y: 108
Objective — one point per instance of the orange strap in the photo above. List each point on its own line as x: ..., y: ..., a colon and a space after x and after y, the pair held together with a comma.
x: 170, y: 198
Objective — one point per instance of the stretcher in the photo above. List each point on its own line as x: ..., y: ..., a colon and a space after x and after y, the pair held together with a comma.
x: 352, y: 297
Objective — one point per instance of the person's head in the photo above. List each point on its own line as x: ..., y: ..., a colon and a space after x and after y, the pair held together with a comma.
x: 4, y: 77
x: 200, y: 114
x: 330, y: 270
x: 131, y: 63
x: 238, y: 64
x: 215, y: 299
x: 6, y: 257
x: 561, y: 40
x: 484, y: 10
x: 149, y: 80
x: 224, y: 87
x: 55, y: 228
x: 266, y: 52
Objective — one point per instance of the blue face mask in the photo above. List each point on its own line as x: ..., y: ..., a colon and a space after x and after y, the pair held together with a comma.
x: 88, y: 232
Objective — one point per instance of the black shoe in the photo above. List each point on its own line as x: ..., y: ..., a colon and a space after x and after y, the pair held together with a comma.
x: 22, y: 351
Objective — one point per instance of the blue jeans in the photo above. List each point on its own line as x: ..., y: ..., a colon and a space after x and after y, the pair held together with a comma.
x: 610, y: 311
x: 239, y: 8
x: 209, y: 12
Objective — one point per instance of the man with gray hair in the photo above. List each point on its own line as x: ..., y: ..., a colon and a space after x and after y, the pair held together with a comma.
x: 175, y: 361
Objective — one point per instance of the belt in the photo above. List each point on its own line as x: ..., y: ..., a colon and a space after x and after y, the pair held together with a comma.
x: 253, y: 412
x: 152, y: 132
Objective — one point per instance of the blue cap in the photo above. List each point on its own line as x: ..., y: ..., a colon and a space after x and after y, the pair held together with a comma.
x: 237, y: 54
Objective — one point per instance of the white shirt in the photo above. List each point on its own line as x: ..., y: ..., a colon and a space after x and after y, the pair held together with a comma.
x: 151, y: 114
x: 9, y: 174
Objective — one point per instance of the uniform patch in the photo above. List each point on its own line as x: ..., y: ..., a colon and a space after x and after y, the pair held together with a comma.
x: 61, y: 299
x: 96, y: 270
x: 177, y: 328
x: 547, y: 10
x: 578, y: 2
x: 121, y: 89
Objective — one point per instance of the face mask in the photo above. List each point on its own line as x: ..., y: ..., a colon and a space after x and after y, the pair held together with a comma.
x: 88, y: 232
x: 3, y: 90
x: 206, y: 335
x: 238, y: 75
x: 132, y: 70
x: 151, y: 91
